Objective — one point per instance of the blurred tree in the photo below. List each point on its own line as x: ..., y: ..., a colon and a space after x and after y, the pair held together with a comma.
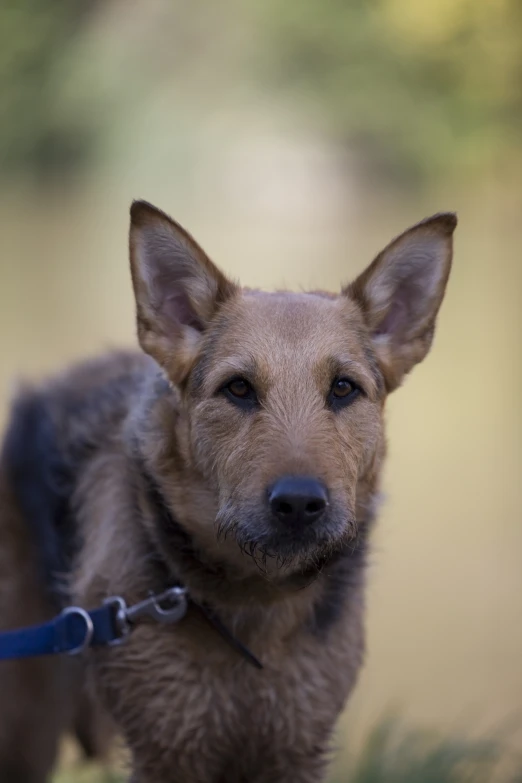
x: 35, y: 36
x: 418, y: 88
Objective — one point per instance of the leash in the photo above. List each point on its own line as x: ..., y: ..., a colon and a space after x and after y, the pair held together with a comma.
x: 75, y: 629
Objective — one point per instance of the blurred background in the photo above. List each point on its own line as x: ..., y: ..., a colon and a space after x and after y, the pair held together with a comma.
x: 294, y: 139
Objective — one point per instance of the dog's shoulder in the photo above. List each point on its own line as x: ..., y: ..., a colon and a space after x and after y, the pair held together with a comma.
x: 53, y: 430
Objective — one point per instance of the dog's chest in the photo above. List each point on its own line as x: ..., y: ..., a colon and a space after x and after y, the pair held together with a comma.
x: 213, y: 707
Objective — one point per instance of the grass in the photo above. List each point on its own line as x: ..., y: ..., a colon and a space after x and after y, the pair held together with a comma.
x: 395, y: 756
x: 87, y: 774
x: 391, y: 755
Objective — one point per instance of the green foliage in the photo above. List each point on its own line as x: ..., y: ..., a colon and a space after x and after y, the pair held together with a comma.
x: 419, y: 88
x: 88, y: 774
x: 416, y: 757
x: 35, y: 38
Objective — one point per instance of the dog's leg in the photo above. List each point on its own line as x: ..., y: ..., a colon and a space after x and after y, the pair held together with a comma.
x: 32, y: 711
x: 92, y: 727
x: 142, y: 777
x: 312, y: 770
x: 312, y: 774
x: 31, y: 720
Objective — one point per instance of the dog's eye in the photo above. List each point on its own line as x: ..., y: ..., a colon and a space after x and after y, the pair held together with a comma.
x: 239, y: 388
x: 240, y: 392
x: 342, y: 393
x: 342, y: 388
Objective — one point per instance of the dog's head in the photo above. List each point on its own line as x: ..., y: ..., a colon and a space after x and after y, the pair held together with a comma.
x: 282, y: 394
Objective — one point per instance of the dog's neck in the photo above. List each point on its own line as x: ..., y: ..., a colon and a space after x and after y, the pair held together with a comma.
x: 250, y: 613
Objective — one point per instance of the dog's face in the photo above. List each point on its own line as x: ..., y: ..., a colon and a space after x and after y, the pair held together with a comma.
x: 285, y: 408
x: 283, y: 393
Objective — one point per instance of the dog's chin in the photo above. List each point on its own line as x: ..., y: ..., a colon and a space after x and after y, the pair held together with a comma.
x: 279, y: 551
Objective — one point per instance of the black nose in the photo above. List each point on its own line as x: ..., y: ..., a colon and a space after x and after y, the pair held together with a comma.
x: 298, y: 499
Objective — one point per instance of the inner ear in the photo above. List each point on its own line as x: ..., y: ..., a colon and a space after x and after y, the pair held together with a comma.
x: 170, y: 287
x: 406, y: 298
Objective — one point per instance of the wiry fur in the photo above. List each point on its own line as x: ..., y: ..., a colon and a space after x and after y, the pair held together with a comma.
x: 76, y: 506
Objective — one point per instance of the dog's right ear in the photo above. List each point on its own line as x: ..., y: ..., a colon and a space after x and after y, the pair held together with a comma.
x: 177, y: 288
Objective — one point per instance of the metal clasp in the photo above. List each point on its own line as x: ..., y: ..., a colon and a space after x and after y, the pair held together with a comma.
x: 167, y: 607
x: 89, y: 628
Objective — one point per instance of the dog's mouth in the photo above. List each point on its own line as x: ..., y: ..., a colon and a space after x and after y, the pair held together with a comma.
x: 271, y: 544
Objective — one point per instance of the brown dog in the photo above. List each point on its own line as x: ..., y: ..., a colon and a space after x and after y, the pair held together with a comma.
x: 239, y: 455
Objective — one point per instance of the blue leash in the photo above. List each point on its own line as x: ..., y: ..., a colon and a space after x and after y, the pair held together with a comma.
x: 75, y: 629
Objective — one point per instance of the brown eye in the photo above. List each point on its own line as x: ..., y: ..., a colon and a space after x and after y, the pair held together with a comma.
x: 342, y: 393
x: 239, y: 388
x: 241, y: 393
x: 342, y: 388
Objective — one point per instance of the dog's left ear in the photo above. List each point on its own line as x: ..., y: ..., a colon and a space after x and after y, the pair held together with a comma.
x: 401, y: 291
x: 178, y: 289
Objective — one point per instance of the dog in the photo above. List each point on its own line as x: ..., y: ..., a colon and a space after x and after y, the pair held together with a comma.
x: 238, y: 455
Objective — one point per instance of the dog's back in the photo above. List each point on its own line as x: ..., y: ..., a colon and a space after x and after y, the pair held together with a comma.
x: 54, y: 430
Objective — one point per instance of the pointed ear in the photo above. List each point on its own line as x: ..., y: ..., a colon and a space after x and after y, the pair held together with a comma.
x: 178, y: 290
x: 401, y: 291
